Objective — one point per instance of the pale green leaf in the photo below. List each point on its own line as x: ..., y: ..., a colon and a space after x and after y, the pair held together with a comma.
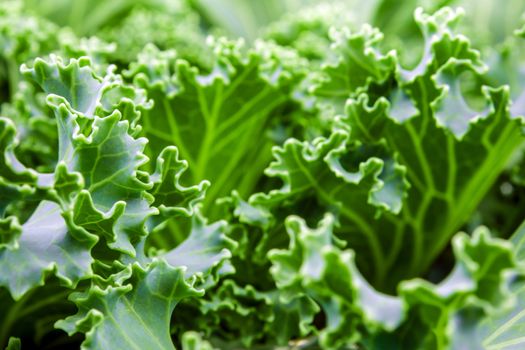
x: 134, y: 316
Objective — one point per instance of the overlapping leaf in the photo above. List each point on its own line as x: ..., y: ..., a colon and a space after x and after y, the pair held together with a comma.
x: 315, y: 265
x: 150, y: 293
x: 358, y: 64
x: 135, y: 315
x: 425, y: 160
x: 356, y: 182
x: 218, y: 120
x: 97, y: 193
x: 101, y: 177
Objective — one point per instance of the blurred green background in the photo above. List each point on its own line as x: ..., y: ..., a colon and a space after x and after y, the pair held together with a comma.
x: 246, y: 18
x: 302, y: 24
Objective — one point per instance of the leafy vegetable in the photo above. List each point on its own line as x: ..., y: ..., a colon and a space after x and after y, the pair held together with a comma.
x: 217, y: 120
x: 343, y: 177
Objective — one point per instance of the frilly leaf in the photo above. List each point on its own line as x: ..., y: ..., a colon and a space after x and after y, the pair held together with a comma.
x: 98, y: 191
x: 204, y: 251
x: 79, y: 85
x: 135, y: 315
x: 503, y: 331
x: 359, y: 64
x: 107, y: 149
x: 423, y: 313
x: 22, y: 37
x: 217, y: 120
x: 358, y: 184
x: 176, y: 28
x: 75, y: 82
x: 49, y: 242
x: 16, y: 181
x: 452, y: 111
x: 171, y: 197
x: 314, y: 265
x: 37, y: 131
x: 442, y: 140
x: 440, y: 42
x: 244, y: 309
x: 97, y: 50
x: 10, y: 230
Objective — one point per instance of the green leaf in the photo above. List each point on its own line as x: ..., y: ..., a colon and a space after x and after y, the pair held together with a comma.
x: 133, y: 316
x: 478, y: 278
x: 251, y: 316
x: 49, y: 242
x: 359, y: 64
x: 450, y: 168
x: 422, y: 314
x: 38, y: 140
x: 440, y: 42
x: 451, y: 109
x: 141, y: 195
x: 316, y: 266
x: 16, y: 181
x: 75, y: 82
x: 205, y: 249
x: 94, y: 146
x: 245, y: 311
x: 97, y: 193
x: 22, y: 37
x: 109, y: 149
x: 218, y: 120
x: 357, y: 183
x: 171, y: 198
x: 505, y: 330
x: 9, y: 232
x: 99, y: 51
x: 416, y: 163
